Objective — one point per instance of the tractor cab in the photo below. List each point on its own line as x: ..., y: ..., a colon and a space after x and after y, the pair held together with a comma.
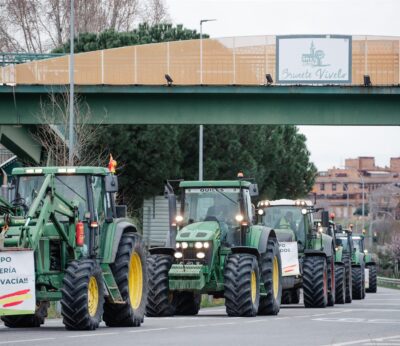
x: 291, y: 219
x: 223, y: 206
x: 343, y: 240
x: 358, y: 243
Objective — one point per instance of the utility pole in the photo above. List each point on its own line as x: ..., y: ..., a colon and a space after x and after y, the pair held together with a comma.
x: 71, y: 87
x: 201, y: 83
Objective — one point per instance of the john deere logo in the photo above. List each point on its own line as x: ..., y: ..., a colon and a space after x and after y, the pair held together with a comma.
x: 314, y: 58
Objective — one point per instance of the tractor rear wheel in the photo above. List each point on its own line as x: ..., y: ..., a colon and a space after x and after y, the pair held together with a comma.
x: 331, y: 281
x: 295, y: 295
x: 357, y: 279
x: 315, y: 282
x: 372, y: 278
x: 187, y: 303
x: 28, y: 321
x: 82, y: 295
x: 159, y: 298
x: 271, y: 276
x: 129, y: 270
x: 348, y: 277
x: 340, y: 282
x: 286, y: 297
x: 242, y: 285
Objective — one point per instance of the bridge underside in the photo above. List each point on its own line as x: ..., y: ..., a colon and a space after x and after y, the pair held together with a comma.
x: 298, y: 105
x: 20, y: 107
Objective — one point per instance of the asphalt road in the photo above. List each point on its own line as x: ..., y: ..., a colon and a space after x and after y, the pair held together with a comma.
x: 373, y: 321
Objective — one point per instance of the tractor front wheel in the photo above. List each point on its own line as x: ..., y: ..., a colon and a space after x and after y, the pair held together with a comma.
x: 129, y: 270
x: 28, y: 321
x: 372, y: 278
x: 331, y: 281
x: 187, y: 303
x: 315, y: 282
x: 358, y: 284
x: 82, y: 295
x: 271, y: 275
x: 159, y: 299
x: 242, y: 285
x: 340, y: 282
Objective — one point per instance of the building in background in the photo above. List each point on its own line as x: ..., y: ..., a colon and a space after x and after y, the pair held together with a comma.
x: 340, y: 189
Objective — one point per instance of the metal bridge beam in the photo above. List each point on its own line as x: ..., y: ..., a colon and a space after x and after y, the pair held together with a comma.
x: 300, y: 105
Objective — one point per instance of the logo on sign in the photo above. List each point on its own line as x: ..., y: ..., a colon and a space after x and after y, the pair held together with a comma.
x: 314, y: 58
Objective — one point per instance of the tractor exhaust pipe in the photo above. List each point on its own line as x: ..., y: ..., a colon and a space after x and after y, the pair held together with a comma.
x: 169, y: 193
x: 4, y: 186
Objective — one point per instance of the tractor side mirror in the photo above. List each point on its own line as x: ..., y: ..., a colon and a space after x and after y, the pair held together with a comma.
x: 325, y: 218
x: 121, y: 211
x: 111, y: 183
x: 253, y: 190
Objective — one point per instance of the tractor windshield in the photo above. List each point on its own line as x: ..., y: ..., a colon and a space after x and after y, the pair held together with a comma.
x: 342, y: 242
x: 69, y: 187
x: 357, y: 244
x: 211, y: 204
x: 286, y: 218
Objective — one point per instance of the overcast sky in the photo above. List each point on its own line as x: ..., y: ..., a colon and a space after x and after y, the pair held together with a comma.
x: 329, y: 146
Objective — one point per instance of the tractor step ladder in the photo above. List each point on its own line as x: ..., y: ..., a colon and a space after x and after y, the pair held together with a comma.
x: 111, y: 285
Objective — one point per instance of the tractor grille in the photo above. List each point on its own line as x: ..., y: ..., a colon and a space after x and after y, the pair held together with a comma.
x: 189, y: 255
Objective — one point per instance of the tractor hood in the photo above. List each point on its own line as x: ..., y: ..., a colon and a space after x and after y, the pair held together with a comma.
x: 199, y: 231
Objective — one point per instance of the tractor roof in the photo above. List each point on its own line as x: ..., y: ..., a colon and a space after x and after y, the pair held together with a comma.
x: 60, y: 170
x: 215, y: 183
x: 287, y: 202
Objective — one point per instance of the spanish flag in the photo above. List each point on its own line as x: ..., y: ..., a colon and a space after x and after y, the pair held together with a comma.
x: 112, y: 165
x: 14, y: 299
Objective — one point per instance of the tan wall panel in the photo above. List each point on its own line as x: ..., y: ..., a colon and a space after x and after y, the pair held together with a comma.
x: 184, y: 62
x: 119, y: 66
x: 88, y: 68
x: 151, y: 62
x: 52, y: 71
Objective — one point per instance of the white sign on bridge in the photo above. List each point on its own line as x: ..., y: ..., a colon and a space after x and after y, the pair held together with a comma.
x: 17, y: 283
x: 313, y: 59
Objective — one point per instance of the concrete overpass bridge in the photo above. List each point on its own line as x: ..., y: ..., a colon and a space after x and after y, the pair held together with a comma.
x: 215, y: 81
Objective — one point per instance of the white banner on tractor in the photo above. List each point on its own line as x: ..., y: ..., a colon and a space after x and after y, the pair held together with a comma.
x: 290, y: 258
x: 366, y: 278
x: 17, y: 283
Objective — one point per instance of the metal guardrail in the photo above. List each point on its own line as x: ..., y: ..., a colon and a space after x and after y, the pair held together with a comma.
x: 389, y: 281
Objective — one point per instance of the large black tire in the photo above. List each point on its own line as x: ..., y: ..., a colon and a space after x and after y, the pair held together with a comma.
x: 82, y: 295
x: 28, y: 321
x: 331, y: 281
x: 372, y: 279
x: 241, y: 285
x: 315, y: 282
x: 358, y: 282
x: 348, y: 276
x: 286, y: 297
x: 271, y: 276
x: 340, y: 281
x: 363, y: 284
x: 187, y: 303
x: 130, y: 273
x: 159, y: 298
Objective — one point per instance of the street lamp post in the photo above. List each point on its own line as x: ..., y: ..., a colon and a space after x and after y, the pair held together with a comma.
x: 71, y: 88
x: 201, y: 82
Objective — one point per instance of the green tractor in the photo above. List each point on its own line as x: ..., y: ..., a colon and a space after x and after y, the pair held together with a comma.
x: 308, y: 254
x: 358, y: 267
x: 215, y: 248
x: 63, y: 238
x: 344, y: 255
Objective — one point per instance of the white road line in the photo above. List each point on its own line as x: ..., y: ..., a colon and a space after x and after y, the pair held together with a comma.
x: 147, y: 330
x: 26, y: 340
x: 90, y: 335
x: 355, y: 342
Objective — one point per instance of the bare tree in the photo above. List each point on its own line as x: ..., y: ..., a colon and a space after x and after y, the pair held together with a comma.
x: 54, y: 116
x: 41, y: 25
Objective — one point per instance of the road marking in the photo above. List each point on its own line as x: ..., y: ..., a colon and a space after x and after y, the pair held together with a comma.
x: 357, y: 320
x: 90, y: 335
x: 355, y: 342
x: 147, y: 330
x: 26, y: 340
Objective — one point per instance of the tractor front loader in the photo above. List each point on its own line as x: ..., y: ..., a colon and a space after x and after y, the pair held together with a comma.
x: 215, y: 248
x: 63, y: 238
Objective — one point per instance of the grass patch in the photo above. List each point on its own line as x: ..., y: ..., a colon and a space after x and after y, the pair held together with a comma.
x: 52, y: 311
x: 209, y: 302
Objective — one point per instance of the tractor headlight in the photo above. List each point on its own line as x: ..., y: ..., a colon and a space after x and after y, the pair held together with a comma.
x: 184, y: 245
x: 178, y: 255
x: 198, y: 245
x: 178, y: 245
x: 206, y: 245
x: 200, y: 255
x: 239, y: 217
x: 179, y: 218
